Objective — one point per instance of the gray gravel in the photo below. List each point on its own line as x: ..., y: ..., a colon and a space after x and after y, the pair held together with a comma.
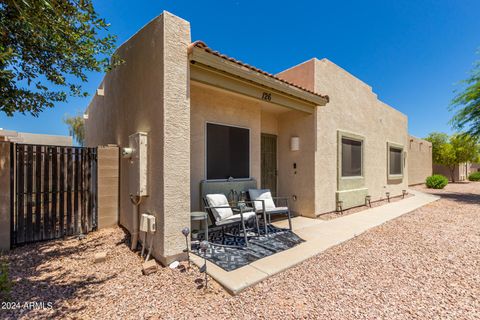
x: 423, y: 265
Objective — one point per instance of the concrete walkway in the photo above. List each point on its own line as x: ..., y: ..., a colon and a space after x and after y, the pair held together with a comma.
x: 319, y: 235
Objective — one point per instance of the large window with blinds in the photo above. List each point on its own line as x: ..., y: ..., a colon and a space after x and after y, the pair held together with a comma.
x: 395, y: 159
x: 351, y: 157
x: 228, y: 152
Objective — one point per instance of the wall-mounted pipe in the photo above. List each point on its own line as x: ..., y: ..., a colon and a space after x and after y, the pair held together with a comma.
x: 136, y: 200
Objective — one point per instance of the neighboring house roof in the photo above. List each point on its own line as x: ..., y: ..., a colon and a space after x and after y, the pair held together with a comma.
x: 203, y: 45
x: 35, y: 138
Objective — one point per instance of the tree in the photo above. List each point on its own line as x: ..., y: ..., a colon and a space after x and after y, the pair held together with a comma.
x: 452, y: 151
x: 76, y: 127
x: 468, y: 104
x: 49, y: 43
x: 438, y: 140
x: 465, y: 146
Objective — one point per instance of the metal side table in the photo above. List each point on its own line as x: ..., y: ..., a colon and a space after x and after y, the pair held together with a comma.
x: 200, y: 216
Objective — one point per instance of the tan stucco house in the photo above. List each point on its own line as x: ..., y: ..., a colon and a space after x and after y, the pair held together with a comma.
x: 419, y: 160
x: 314, y: 132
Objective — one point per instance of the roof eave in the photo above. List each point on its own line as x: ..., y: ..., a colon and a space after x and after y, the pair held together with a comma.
x: 233, y: 67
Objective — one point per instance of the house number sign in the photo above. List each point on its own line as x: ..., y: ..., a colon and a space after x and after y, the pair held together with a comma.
x: 267, y: 96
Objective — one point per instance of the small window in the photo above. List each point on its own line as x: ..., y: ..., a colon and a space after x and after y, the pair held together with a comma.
x: 351, y: 158
x: 395, y: 161
x: 228, y: 152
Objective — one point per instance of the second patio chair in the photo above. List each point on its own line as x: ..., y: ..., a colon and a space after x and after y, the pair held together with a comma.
x: 265, y: 204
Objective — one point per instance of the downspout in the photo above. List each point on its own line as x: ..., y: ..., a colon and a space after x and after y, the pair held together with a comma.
x: 136, y: 200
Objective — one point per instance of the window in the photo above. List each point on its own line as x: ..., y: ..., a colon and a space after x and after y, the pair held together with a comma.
x: 228, y: 152
x: 395, y: 161
x: 351, y: 158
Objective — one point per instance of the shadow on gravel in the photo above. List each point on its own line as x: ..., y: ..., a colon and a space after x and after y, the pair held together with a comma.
x: 466, y: 198
x: 37, y: 278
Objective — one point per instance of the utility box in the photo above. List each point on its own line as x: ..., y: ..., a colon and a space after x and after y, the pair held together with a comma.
x: 138, y: 164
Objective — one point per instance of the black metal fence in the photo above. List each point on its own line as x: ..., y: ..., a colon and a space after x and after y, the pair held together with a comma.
x: 55, y: 192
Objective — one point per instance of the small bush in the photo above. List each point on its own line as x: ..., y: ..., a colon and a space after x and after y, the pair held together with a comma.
x: 5, y: 283
x: 437, y: 181
x: 474, y: 176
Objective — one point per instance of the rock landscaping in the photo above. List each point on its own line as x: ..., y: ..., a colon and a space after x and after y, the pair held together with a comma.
x: 423, y: 265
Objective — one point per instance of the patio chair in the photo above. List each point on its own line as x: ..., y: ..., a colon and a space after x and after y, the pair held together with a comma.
x: 222, y: 214
x: 264, y: 204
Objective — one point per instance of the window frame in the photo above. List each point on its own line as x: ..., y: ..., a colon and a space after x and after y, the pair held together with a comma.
x: 396, y: 176
x: 206, y: 149
x: 362, y: 144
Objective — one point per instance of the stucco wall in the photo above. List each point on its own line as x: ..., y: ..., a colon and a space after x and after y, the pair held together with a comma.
x: 297, y: 183
x: 150, y: 93
x: 355, y: 109
x: 209, y: 104
x: 419, y: 160
x: 460, y: 172
x: 215, y: 105
x: 475, y: 167
x: 269, y: 123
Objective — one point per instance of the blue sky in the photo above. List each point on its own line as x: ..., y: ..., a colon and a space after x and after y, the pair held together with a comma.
x: 413, y: 53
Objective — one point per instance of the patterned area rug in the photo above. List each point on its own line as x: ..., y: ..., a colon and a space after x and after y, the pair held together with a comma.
x: 262, y: 246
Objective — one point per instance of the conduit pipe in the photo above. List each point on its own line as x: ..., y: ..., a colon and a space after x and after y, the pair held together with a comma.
x: 136, y: 200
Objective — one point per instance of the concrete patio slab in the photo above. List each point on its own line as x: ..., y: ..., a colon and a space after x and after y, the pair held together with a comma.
x: 233, y: 281
x: 319, y: 235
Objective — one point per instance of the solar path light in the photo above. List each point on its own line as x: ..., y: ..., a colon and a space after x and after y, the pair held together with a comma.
x: 203, y: 269
x: 186, y: 232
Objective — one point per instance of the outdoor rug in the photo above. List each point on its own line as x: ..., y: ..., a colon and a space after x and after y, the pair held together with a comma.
x: 229, y: 258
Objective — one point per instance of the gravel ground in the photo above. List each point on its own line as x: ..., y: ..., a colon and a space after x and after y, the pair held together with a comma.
x: 346, y: 212
x: 423, y: 265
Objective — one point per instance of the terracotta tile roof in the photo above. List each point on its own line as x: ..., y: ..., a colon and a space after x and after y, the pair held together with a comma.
x: 203, y: 45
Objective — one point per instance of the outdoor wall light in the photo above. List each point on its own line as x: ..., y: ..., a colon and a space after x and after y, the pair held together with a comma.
x: 295, y: 143
x: 127, y: 153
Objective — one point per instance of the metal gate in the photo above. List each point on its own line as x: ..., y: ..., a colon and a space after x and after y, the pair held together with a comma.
x: 55, y: 192
x: 269, y: 162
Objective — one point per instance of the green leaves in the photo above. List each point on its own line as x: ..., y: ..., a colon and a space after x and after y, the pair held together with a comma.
x: 76, y: 127
x: 467, y: 104
x: 5, y: 282
x: 437, y: 181
x: 45, y: 44
x: 454, y: 150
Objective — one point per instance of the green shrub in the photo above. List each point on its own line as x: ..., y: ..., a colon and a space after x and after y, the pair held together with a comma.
x: 5, y: 283
x: 437, y: 181
x: 474, y: 176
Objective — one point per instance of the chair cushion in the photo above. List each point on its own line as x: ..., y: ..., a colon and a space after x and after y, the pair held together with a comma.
x: 236, y: 218
x: 219, y: 200
x: 261, y: 194
x: 277, y: 210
